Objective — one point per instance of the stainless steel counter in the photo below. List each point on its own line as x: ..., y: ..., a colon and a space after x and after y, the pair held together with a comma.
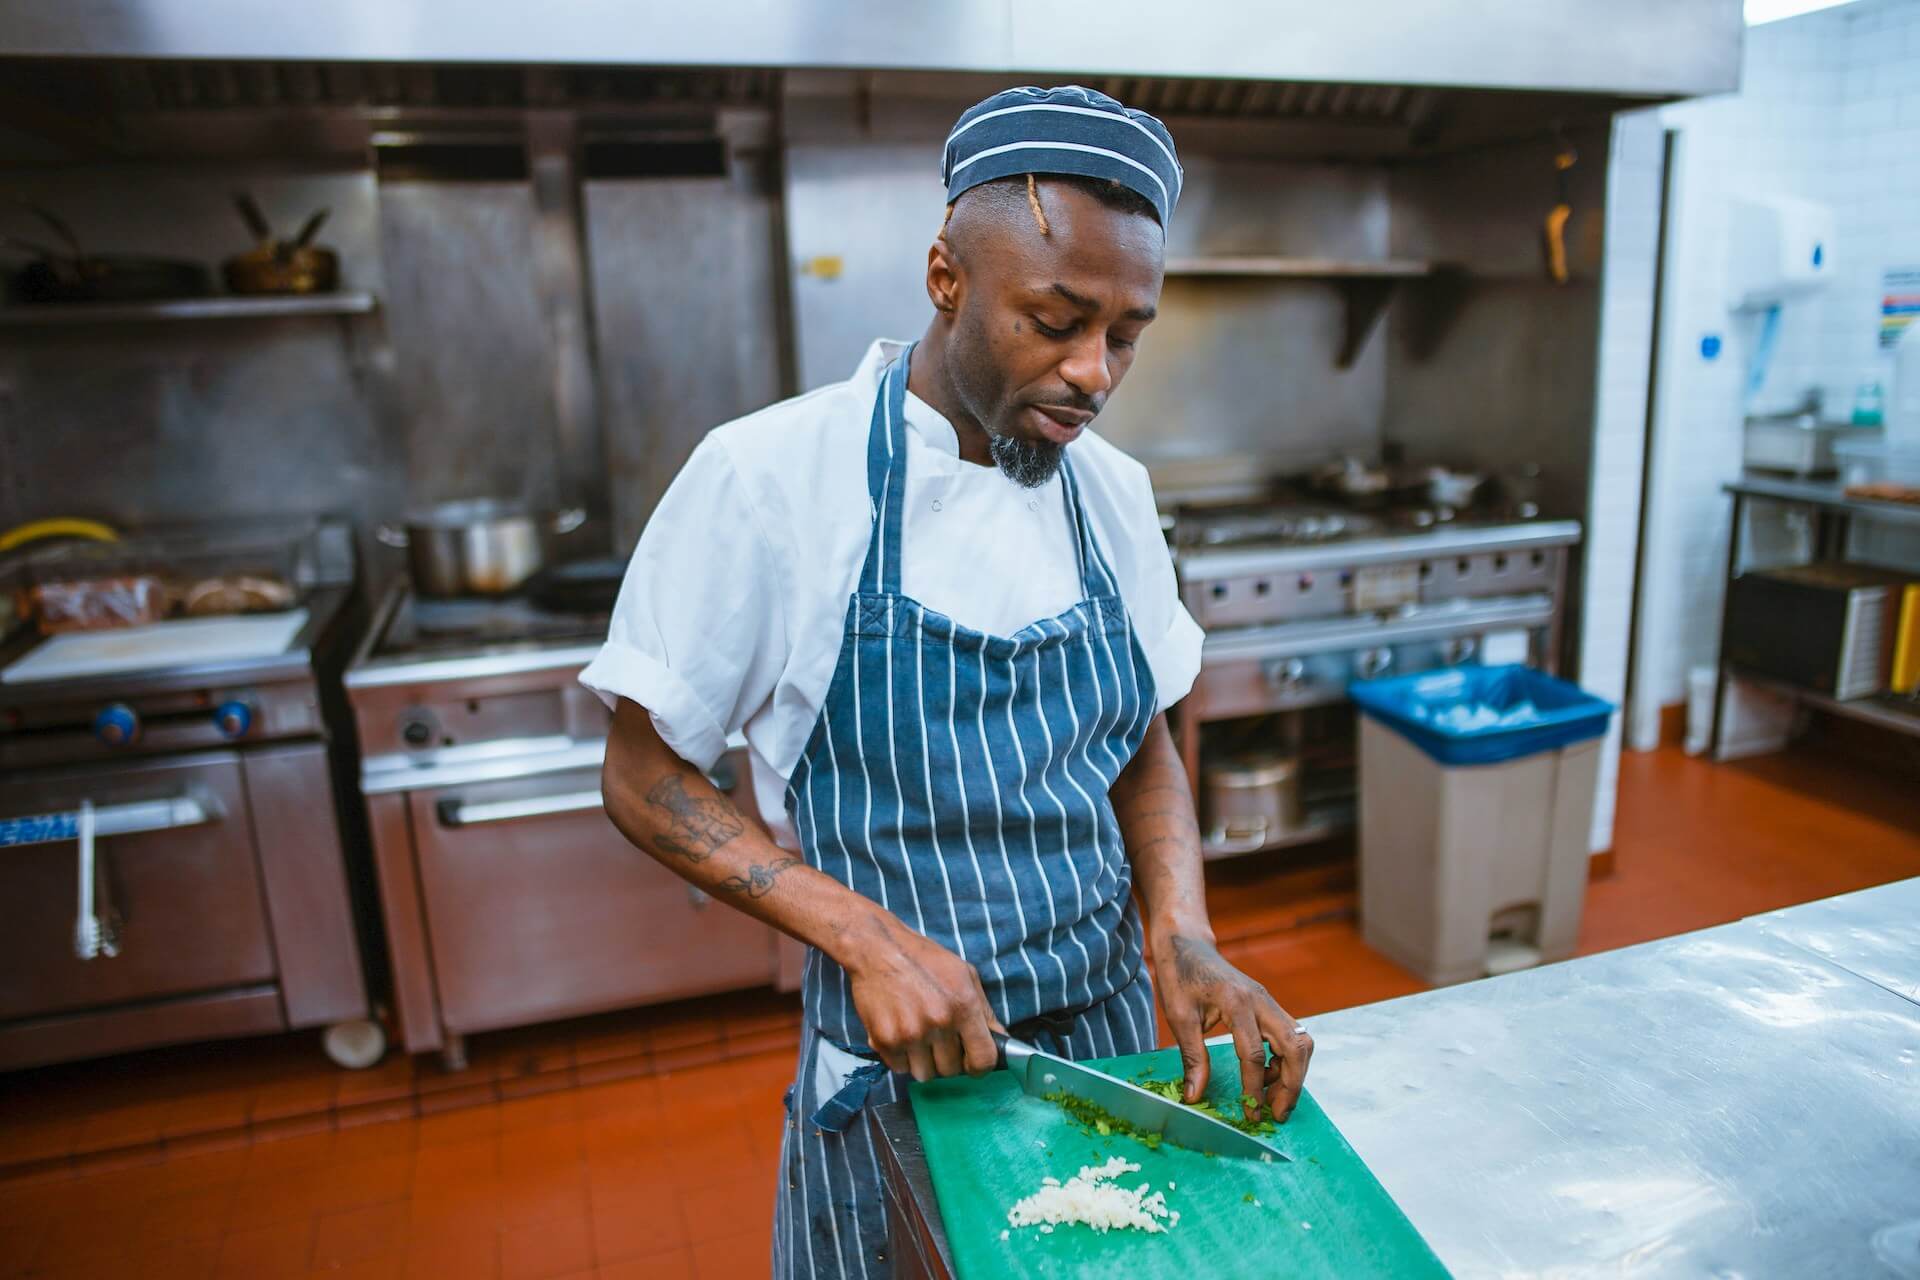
x: 1874, y: 933
x: 1721, y: 1104
x: 1718, y: 1104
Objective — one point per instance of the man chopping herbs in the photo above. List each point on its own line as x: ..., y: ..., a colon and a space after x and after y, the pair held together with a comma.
x: 942, y: 613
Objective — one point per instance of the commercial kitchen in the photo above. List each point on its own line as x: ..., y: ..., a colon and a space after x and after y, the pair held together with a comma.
x: 1454, y: 706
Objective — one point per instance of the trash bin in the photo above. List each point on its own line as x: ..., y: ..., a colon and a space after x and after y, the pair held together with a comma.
x: 1476, y: 803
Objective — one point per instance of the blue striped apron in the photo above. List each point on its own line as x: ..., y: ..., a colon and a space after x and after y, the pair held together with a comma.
x: 960, y: 780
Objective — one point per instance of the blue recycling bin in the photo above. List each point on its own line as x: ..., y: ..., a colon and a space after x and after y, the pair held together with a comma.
x: 1484, y: 715
x: 1477, y: 788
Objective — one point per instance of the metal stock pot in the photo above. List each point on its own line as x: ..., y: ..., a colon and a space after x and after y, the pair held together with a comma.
x: 477, y: 547
x: 1249, y: 802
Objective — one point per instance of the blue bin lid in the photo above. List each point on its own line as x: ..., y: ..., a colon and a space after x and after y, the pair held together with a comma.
x: 1446, y: 712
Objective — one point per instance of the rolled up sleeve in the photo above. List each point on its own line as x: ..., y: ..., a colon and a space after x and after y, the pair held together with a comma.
x: 1174, y: 656
x: 697, y: 635
x: 1168, y: 635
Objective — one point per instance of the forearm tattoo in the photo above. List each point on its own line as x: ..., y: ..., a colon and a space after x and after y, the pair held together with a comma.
x: 758, y: 882
x: 695, y: 826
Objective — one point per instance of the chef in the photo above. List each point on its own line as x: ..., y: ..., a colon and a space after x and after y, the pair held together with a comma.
x: 940, y: 609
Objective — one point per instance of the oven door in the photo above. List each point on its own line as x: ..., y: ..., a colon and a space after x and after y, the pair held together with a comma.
x: 538, y: 908
x: 175, y: 853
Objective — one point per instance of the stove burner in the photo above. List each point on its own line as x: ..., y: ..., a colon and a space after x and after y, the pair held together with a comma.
x: 426, y: 626
x: 1271, y: 526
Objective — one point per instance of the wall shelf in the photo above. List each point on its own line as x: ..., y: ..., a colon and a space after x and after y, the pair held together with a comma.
x: 1828, y: 496
x: 218, y: 308
x: 1875, y: 709
x: 1365, y: 284
x: 1833, y: 514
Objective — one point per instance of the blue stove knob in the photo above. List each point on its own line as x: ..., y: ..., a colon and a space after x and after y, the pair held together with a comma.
x: 233, y: 718
x: 117, y: 724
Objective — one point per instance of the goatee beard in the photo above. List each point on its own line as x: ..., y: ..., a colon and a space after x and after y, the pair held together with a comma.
x: 1028, y: 463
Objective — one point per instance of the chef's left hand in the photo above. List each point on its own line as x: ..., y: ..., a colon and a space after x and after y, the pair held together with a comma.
x: 1199, y: 991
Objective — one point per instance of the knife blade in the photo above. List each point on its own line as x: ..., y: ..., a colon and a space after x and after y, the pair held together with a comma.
x: 1041, y: 1073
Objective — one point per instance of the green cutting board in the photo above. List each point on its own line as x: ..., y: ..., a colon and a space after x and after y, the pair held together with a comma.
x: 1320, y: 1214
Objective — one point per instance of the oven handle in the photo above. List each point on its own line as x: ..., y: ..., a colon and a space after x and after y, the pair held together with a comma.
x: 129, y: 819
x: 455, y: 812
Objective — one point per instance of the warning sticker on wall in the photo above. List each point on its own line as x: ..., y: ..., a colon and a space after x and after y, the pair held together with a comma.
x: 1899, y: 303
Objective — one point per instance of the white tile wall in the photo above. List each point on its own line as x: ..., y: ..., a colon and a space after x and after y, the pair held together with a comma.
x: 1613, y: 517
x: 1828, y: 110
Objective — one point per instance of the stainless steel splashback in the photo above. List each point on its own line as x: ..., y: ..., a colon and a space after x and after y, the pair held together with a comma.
x: 480, y: 372
x: 1653, y: 47
x: 144, y: 423
x: 1510, y: 374
x: 473, y: 350
x: 688, y: 319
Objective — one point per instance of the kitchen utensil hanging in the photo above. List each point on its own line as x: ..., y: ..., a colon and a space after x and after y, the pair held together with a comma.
x: 1554, y: 231
x: 96, y: 929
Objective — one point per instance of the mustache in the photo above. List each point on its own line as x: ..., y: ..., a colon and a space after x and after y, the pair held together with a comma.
x: 1072, y: 400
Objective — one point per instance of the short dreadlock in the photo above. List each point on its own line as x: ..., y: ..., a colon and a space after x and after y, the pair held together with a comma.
x: 1112, y: 194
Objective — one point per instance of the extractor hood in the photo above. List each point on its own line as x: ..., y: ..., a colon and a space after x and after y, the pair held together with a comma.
x: 1655, y: 49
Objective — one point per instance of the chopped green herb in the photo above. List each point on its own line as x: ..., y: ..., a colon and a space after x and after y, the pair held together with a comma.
x: 1247, y: 1198
x: 1096, y: 1121
x: 1173, y: 1089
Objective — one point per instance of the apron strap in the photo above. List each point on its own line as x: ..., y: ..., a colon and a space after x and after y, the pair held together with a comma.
x: 887, y: 489
x: 1096, y: 577
x: 887, y: 479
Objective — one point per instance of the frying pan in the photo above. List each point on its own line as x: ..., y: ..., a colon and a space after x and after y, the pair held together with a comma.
x: 75, y: 275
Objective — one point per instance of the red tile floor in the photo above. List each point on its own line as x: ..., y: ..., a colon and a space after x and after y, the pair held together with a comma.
x: 643, y: 1144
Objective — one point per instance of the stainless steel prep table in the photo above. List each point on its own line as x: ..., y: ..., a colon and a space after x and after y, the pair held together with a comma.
x: 1874, y: 933
x: 1718, y: 1104
x: 1721, y: 1104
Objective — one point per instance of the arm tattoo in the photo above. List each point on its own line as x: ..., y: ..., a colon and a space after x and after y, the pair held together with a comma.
x: 1193, y: 964
x: 758, y: 882
x: 696, y: 825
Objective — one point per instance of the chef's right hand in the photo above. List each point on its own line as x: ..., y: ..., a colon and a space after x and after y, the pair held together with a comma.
x: 923, y: 1006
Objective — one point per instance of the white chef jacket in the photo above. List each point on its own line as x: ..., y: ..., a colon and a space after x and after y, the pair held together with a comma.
x: 733, y: 609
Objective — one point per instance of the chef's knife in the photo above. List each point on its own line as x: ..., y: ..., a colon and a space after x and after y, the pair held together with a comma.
x: 1041, y: 1074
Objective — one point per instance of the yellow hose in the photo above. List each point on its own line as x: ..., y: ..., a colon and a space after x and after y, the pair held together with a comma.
x: 58, y: 527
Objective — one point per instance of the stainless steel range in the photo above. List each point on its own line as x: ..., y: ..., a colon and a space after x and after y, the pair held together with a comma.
x: 175, y: 863
x: 509, y: 897
x: 1298, y: 600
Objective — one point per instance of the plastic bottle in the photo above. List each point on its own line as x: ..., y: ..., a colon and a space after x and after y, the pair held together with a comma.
x: 1869, y: 403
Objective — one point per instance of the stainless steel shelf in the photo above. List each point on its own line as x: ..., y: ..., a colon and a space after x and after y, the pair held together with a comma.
x: 226, y: 308
x: 1828, y: 497
x: 1365, y: 284
x: 1869, y: 710
x: 1299, y: 268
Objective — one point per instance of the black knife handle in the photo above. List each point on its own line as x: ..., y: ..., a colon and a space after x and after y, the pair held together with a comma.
x: 1010, y: 1054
